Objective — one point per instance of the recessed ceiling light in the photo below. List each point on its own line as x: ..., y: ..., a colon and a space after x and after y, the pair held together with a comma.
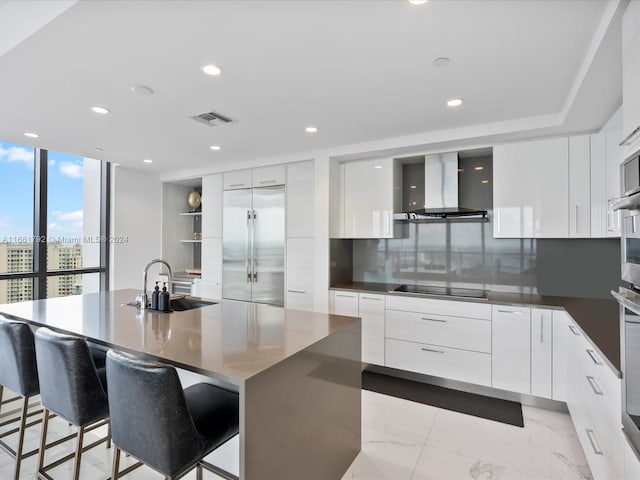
x: 147, y: 160
x: 461, y: 169
x: 478, y: 168
x: 441, y: 61
x: 212, y: 69
x: 31, y: 135
x: 378, y: 166
x: 100, y: 110
x: 413, y: 186
x: 311, y: 129
x: 418, y: 2
x: 97, y: 149
x: 215, y: 147
x: 141, y: 89
x: 454, y: 102
x: 485, y: 181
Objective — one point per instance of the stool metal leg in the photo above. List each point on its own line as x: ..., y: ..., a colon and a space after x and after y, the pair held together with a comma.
x: 23, y: 422
x: 76, y: 464
x: 199, y: 472
x: 116, y: 464
x: 43, y: 440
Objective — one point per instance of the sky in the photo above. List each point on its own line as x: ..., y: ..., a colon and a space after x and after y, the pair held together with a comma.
x: 64, y: 216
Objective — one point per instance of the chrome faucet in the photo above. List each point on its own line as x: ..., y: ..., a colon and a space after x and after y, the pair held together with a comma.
x: 143, y: 296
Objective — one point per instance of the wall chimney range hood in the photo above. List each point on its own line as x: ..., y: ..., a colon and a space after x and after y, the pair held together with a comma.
x: 442, y: 196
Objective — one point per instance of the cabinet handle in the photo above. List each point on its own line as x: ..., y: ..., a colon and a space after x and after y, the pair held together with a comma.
x: 237, y: 185
x: 511, y: 311
x: 541, y: 329
x: 268, y: 181
x: 345, y: 296
x: 593, y: 357
x: 594, y: 385
x: 434, y: 319
x: 434, y: 351
x: 574, y: 331
x: 576, y: 218
x: 372, y: 298
x: 296, y: 291
x: 594, y: 443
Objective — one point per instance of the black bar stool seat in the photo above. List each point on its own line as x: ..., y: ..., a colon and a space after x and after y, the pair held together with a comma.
x: 71, y: 387
x: 169, y: 429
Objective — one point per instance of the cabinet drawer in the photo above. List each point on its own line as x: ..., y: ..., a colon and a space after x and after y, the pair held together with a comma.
x: 299, y: 300
x: 439, y: 307
x: 462, y: 365
x: 454, y: 332
x: 372, y: 312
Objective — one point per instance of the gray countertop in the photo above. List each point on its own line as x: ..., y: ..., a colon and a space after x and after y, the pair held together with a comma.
x: 231, y: 340
x: 597, y: 318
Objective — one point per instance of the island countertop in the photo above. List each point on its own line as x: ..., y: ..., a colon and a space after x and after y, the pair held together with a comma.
x: 230, y: 340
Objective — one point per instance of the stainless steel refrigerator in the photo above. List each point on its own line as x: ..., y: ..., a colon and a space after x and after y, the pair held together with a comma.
x: 253, y: 236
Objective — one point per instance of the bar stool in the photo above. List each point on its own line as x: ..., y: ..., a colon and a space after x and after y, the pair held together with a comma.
x: 169, y: 429
x: 19, y: 374
x: 71, y: 387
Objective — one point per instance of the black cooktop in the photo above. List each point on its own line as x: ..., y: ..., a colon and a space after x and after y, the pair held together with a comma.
x: 443, y: 291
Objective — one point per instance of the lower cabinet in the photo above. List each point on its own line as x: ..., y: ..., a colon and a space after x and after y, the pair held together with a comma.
x: 541, y: 352
x: 593, y: 398
x: 453, y: 363
x: 211, y: 283
x: 371, y: 308
x: 439, y: 338
x: 511, y: 348
x: 299, y: 294
x: 563, y: 329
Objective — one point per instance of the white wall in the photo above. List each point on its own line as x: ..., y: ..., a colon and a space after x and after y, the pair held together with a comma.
x: 136, y: 211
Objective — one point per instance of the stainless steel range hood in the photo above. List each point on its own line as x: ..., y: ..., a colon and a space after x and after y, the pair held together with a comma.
x: 441, y: 192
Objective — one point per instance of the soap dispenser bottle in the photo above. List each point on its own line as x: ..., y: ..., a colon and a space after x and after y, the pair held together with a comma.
x: 163, y: 299
x: 154, y: 297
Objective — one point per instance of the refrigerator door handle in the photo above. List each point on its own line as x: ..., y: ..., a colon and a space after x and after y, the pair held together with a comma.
x: 254, y: 275
x: 248, y: 252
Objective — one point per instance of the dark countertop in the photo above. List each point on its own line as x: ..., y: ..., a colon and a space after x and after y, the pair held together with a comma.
x: 597, y: 318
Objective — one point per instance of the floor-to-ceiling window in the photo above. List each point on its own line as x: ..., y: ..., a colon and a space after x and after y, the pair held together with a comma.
x: 53, y: 224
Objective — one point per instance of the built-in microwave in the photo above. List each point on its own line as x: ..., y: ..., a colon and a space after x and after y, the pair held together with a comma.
x: 630, y: 170
x: 630, y: 267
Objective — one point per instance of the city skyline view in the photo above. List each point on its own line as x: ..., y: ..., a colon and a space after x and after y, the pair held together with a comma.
x: 65, y: 194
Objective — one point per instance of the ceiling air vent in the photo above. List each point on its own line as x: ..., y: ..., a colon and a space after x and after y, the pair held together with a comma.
x: 212, y: 119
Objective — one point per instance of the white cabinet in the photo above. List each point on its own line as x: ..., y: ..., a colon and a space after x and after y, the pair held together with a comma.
x: 368, y: 198
x: 511, y: 348
x: 598, y: 184
x: 238, y: 179
x: 443, y: 338
x: 593, y: 398
x: 563, y: 328
x: 212, y: 206
x: 300, y: 199
x: 299, y: 277
x: 211, y: 284
x: 541, y: 356
x: 631, y: 72
x: 371, y: 308
x: 530, y: 189
x: 345, y: 303
x: 268, y: 176
x: 580, y: 186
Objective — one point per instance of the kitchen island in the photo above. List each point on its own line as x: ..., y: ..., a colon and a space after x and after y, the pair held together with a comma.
x: 298, y: 373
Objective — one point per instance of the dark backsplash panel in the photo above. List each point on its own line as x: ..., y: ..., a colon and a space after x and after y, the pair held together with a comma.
x: 579, y: 267
x: 461, y: 254
x: 467, y: 255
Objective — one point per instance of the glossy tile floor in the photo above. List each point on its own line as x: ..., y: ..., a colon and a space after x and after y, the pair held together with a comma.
x: 401, y: 440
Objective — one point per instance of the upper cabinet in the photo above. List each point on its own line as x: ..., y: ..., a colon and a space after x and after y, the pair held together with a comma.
x: 556, y: 188
x: 631, y: 74
x: 369, y: 194
x: 530, y: 189
x: 256, y: 177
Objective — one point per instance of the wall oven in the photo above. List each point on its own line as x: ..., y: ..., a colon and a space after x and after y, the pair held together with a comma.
x: 629, y: 299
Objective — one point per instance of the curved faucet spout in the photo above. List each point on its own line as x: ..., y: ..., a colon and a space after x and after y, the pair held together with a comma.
x: 143, y: 296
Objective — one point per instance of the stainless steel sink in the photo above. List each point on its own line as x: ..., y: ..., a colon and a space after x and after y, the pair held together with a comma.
x: 182, y: 304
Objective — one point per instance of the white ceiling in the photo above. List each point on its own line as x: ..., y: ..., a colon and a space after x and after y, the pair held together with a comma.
x: 361, y: 70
